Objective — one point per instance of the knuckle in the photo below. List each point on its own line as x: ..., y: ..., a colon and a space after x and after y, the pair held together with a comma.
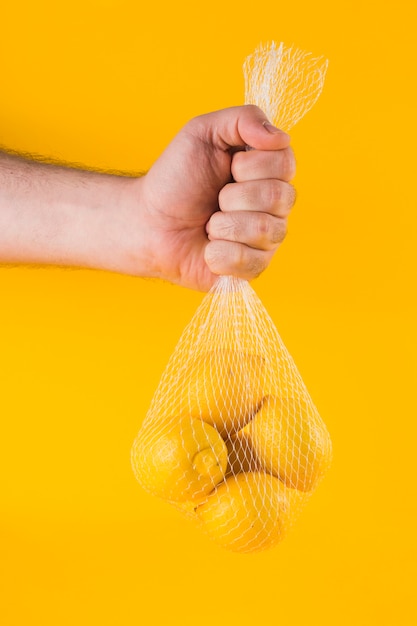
x: 235, y: 195
x: 280, y: 197
x: 230, y: 228
x: 292, y: 196
x: 279, y: 231
x: 195, y: 125
x: 253, y: 108
x: 270, y: 230
x: 263, y: 225
x: 237, y: 165
x: 246, y: 195
x: 224, y: 195
x: 214, y: 255
x: 255, y: 265
x: 250, y: 262
x: 224, y: 226
x: 211, y: 226
x: 287, y: 164
x: 274, y: 193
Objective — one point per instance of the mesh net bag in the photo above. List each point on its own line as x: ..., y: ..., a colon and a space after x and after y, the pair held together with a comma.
x: 232, y: 438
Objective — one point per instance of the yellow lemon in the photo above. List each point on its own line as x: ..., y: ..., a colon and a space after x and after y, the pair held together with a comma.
x: 181, y: 463
x: 291, y: 441
x: 241, y: 456
x: 249, y: 512
x: 224, y: 389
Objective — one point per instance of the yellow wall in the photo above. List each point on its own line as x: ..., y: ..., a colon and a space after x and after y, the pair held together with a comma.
x: 108, y: 84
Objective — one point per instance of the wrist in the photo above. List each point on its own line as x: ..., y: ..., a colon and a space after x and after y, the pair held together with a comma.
x: 120, y: 236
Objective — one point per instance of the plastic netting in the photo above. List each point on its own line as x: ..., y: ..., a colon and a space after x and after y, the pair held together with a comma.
x: 232, y: 437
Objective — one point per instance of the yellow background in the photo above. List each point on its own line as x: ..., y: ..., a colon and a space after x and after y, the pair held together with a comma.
x: 109, y: 84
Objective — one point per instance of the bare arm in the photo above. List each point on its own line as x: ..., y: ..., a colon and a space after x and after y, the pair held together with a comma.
x: 206, y: 206
x: 59, y: 215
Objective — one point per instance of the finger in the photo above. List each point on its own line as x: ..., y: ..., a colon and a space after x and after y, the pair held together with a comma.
x: 238, y: 127
x: 268, y: 196
x: 261, y: 231
x: 236, y: 259
x: 259, y: 164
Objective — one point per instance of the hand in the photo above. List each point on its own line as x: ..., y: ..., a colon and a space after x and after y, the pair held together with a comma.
x: 207, y: 206
x: 204, y: 169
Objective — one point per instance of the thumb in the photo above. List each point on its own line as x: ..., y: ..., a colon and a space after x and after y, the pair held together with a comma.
x: 239, y: 127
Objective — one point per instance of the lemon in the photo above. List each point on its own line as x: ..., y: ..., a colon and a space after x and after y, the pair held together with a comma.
x: 241, y: 456
x: 249, y: 512
x: 224, y: 389
x: 290, y: 440
x: 180, y: 463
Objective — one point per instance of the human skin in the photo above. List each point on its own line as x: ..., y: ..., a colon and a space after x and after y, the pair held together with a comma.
x: 208, y: 206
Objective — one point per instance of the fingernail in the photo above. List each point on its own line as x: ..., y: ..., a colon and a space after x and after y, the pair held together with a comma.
x: 273, y: 129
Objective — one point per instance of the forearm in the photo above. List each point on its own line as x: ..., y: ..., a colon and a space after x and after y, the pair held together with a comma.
x: 57, y: 215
